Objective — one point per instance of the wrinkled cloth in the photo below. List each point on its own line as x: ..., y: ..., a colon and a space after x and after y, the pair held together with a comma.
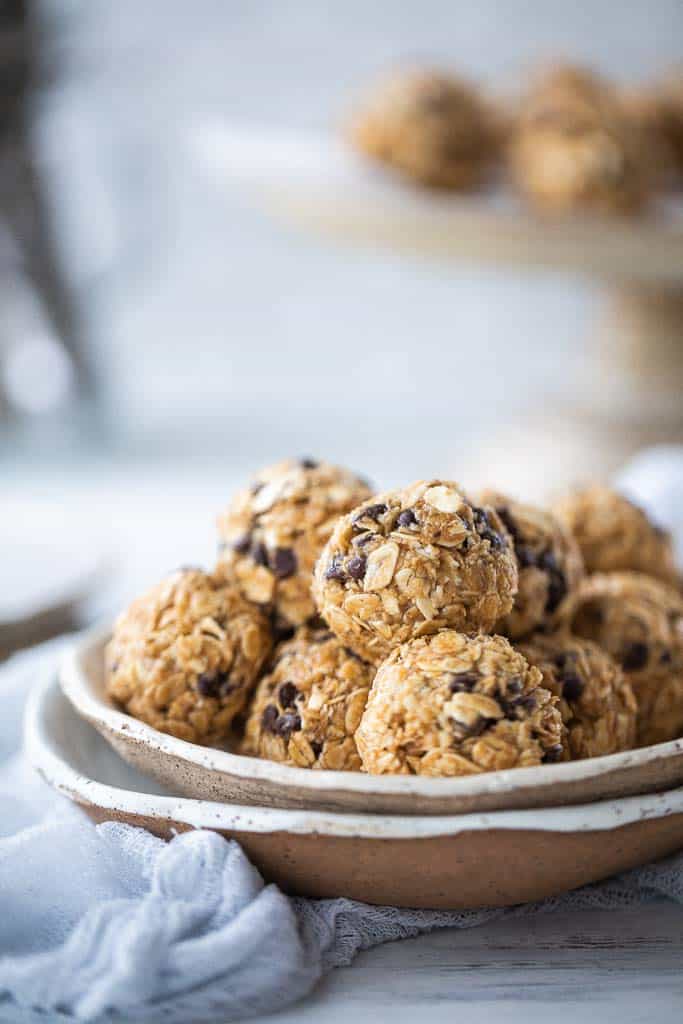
x: 109, y: 922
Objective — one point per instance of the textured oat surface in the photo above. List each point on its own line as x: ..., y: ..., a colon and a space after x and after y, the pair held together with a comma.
x: 614, y: 534
x: 639, y: 621
x: 272, y: 532
x: 457, y: 705
x: 408, y: 563
x: 307, y: 708
x: 549, y: 563
x: 574, y: 147
x: 185, y: 656
x: 596, y: 702
x: 431, y: 127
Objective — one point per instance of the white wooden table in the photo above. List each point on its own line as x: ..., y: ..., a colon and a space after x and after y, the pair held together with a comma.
x: 622, y: 966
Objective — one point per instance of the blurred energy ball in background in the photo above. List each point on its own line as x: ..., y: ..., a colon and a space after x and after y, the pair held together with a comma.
x: 191, y: 326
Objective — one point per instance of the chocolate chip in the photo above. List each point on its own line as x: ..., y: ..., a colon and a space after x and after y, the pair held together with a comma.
x: 362, y: 539
x: 356, y: 567
x: 259, y: 553
x: 282, y: 630
x: 307, y: 463
x: 316, y: 747
x: 482, y: 525
x: 370, y: 512
x: 526, y: 556
x: 665, y: 658
x: 284, y: 563
x: 321, y: 635
x: 466, y: 729
x: 547, y: 561
x: 287, y: 694
x: 553, y: 754
x: 518, y: 700
x: 269, y: 718
x: 215, y: 685
x: 241, y: 545
x: 572, y: 686
x: 335, y: 570
x: 287, y: 724
x: 462, y: 682
x: 508, y: 522
x: 634, y: 657
x: 407, y: 518
x: 207, y: 685
x: 557, y: 590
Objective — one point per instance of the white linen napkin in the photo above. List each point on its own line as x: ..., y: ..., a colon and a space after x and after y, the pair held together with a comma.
x: 109, y: 921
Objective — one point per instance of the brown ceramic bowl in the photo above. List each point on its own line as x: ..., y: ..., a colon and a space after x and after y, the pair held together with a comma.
x: 439, y: 861
x: 207, y: 772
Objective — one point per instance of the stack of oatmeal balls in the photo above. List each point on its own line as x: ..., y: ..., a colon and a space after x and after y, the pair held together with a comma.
x: 418, y: 631
x: 571, y: 141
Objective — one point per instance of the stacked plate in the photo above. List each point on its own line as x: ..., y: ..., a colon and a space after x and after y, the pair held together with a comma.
x: 487, y: 840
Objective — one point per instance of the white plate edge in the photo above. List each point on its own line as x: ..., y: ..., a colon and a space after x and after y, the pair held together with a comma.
x: 601, y: 816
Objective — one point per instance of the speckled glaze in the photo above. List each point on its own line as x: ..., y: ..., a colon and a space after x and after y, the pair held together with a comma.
x: 206, y: 772
x: 431, y: 861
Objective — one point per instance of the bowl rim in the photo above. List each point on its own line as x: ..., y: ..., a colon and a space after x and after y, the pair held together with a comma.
x: 77, y: 687
x: 44, y: 753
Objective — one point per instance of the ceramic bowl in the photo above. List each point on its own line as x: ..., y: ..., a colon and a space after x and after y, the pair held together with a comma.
x: 210, y: 773
x: 433, y: 861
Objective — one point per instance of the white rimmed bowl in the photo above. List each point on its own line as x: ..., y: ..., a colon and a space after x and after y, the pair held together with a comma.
x: 210, y: 773
x: 439, y: 861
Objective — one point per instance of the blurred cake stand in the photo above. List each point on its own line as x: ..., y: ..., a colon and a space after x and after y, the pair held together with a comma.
x: 632, y: 391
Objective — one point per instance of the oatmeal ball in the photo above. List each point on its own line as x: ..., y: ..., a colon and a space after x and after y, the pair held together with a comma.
x: 457, y: 705
x: 411, y: 562
x: 549, y: 562
x: 639, y: 621
x: 185, y: 656
x: 614, y: 534
x: 273, y: 531
x: 431, y: 127
x: 565, y: 85
x: 596, y: 703
x: 574, y: 147
x: 306, y: 711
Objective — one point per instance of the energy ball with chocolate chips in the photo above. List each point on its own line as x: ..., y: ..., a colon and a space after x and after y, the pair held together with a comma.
x: 575, y: 148
x: 185, y: 656
x: 639, y: 621
x: 596, y: 702
x: 411, y: 562
x: 615, y: 534
x: 306, y: 710
x: 273, y: 531
x: 431, y: 127
x: 549, y: 562
x: 457, y: 705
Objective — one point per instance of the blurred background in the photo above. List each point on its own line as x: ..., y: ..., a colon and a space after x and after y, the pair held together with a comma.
x: 159, y: 338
